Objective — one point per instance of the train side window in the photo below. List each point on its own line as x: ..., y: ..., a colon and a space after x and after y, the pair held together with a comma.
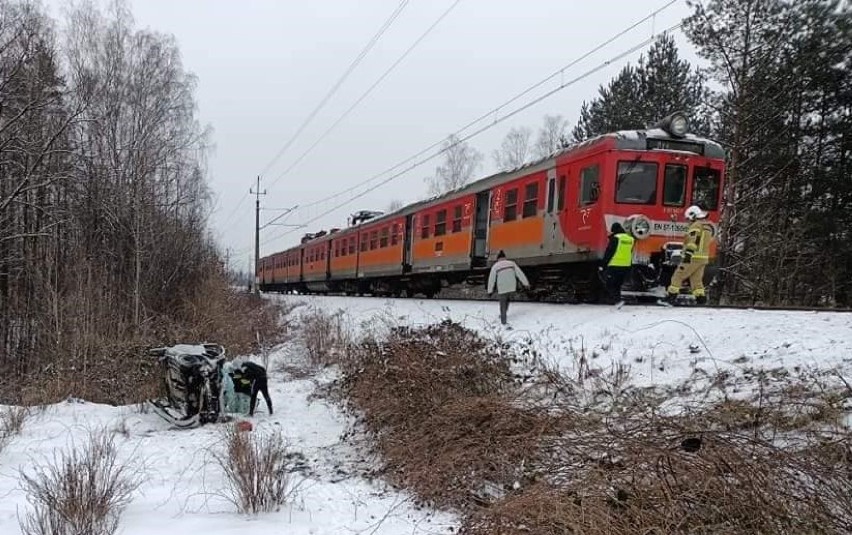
x: 424, y: 228
x: 590, y: 186
x: 636, y: 182
x: 705, y: 188
x: 374, y: 239
x: 457, y: 219
x: 551, y: 191
x: 560, y: 203
x: 394, y: 237
x: 383, y: 241
x: 363, y: 242
x: 674, y: 185
x: 352, y: 245
x: 441, y: 223
x: 530, y: 200
x: 510, y: 211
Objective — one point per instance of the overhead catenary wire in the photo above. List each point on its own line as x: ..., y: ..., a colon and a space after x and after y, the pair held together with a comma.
x: 469, y: 136
x: 497, y: 121
x: 472, y: 123
x: 355, y: 62
x: 351, y: 68
x: 366, y: 94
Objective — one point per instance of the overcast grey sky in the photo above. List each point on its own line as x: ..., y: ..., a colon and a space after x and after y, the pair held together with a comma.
x: 263, y: 65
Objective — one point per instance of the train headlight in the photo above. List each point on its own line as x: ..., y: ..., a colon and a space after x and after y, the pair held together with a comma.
x: 638, y: 226
x: 679, y: 126
x: 675, y: 124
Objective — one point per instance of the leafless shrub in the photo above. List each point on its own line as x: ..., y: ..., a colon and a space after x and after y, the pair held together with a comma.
x: 80, y: 492
x: 325, y: 336
x: 587, y: 452
x: 257, y: 470
x: 12, y: 419
x: 439, y: 402
x: 763, y: 464
x: 121, y: 428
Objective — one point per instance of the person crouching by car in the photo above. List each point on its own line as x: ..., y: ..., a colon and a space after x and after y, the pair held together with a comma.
x: 504, y: 277
x: 250, y: 380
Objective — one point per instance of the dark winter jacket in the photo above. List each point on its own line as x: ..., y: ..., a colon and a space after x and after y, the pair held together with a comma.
x: 246, y: 375
x: 253, y: 371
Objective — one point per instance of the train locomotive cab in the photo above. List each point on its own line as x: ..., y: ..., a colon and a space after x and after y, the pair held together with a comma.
x: 655, y: 175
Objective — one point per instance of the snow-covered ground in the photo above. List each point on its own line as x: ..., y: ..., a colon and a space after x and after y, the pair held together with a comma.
x: 183, y: 486
x: 655, y: 342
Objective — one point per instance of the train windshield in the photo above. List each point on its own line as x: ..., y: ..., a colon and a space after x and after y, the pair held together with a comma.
x: 705, y: 188
x: 636, y: 183
x: 674, y: 185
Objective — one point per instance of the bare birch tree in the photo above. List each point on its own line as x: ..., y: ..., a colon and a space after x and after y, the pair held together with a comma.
x: 461, y: 162
x: 515, y: 150
x: 552, y: 136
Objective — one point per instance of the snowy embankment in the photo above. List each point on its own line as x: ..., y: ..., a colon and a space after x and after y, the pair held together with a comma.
x: 183, y: 488
x: 661, y: 346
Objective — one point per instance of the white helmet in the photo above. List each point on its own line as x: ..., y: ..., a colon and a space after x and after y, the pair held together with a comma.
x: 693, y: 212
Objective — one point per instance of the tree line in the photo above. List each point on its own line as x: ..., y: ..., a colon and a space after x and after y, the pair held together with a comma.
x: 103, y: 199
x: 776, y: 92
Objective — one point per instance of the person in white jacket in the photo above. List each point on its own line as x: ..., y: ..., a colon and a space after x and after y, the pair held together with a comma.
x: 504, y: 277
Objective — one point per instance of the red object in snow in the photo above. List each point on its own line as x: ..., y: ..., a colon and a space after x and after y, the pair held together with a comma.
x: 244, y: 425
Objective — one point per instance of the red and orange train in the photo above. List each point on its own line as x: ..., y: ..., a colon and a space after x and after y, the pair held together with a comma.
x: 551, y: 216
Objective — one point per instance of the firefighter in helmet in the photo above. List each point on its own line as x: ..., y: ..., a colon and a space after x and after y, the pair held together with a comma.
x: 695, y: 255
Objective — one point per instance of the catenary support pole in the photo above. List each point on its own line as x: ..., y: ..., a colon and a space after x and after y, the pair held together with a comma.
x: 257, y: 193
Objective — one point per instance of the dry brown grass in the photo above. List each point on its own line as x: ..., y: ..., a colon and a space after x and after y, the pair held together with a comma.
x: 590, y: 454
x: 256, y: 470
x: 241, y: 322
x: 439, y: 401
x: 325, y: 336
x: 80, y: 492
x: 117, y: 370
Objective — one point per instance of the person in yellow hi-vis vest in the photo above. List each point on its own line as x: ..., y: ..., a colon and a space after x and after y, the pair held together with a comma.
x: 694, y: 258
x: 617, y: 262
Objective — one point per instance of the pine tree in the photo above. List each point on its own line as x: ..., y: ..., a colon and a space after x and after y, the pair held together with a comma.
x: 784, y: 116
x: 639, y: 96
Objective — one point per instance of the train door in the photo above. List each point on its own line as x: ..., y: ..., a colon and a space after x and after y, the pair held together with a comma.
x: 479, y: 254
x: 588, y: 218
x: 328, y: 250
x: 407, y: 242
x: 554, y: 240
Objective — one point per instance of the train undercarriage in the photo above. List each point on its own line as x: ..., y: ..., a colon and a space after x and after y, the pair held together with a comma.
x: 576, y: 282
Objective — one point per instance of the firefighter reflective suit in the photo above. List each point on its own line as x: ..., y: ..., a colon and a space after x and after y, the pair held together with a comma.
x: 696, y: 254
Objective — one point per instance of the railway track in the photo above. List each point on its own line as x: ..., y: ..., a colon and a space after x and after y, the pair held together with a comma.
x: 479, y: 296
